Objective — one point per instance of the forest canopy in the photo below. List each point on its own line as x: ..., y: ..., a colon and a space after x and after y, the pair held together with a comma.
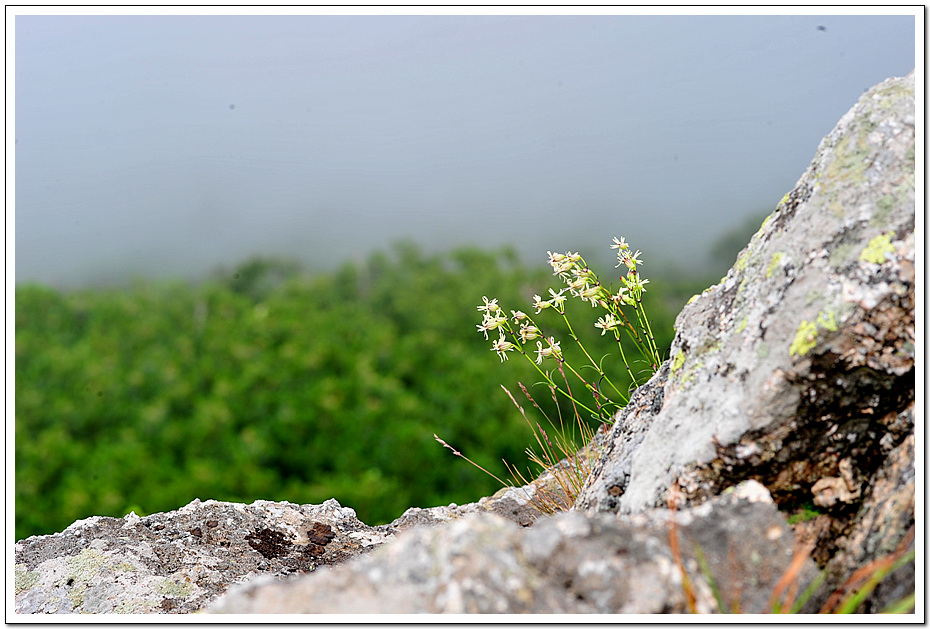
x: 270, y: 382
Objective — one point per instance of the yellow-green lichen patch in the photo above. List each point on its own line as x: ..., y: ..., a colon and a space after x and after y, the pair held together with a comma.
x: 172, y: 588
x: 784, y: 200
x: 877, y: 248
x: 827, y: 321
x: 23, y: 579
x: 742, y: 324
x: 693, y: 297
x: 849, y: 164
x: 677, y: 362
x: 836, y: 209
x: 741, y: 260
x: 688, y: 375
x: 81, y: 568
x: 133, y: 607
x: 777, y: 257
x: 804, y: 339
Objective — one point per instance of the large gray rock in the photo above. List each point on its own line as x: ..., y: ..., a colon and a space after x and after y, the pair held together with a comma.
x: 797, y: 369
x: 570, y: 563
x: 794, y: 367
x: 176, y: 562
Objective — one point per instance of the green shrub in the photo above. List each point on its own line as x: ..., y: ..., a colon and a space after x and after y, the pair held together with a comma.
x: 268, y: 383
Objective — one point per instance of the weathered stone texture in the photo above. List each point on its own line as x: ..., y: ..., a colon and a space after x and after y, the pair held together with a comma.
x: 175, y: 562
x: 570, y: 563
x: 789, y: 369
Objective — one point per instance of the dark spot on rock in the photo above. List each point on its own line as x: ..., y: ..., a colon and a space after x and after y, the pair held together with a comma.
x: 168, y: 604
x: 615, y: 490
x: 69, y: 582
x: 320, y: 533
x: 269, y: 543
x: 196, y: 532
x: 212, y: 524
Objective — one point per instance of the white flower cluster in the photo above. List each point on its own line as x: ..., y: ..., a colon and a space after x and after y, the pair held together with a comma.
x: 580, y: 282
x: 495, y: 319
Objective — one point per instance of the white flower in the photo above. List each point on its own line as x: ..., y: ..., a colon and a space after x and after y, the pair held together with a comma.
x: 630, y: 260
x: 539, y: 304
x: 529, y: 332
x: 634, y: 282
x: 591, y: 294
x: 547, y: 352
x: 489, y: 306
x: 607, y: 323
x: 562, y: 262
x: 558, y: 298
x: 620, y: 245
x: 491, y: 322
x: 502, y: 346
x: 578, y: 284
x: 518, y: 315
x: 622, y: 297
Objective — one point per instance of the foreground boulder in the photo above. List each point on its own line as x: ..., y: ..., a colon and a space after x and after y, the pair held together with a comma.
x: 177, y: 562
x: 789, y: 390
x: 570, y: 563
x: 797, y: 369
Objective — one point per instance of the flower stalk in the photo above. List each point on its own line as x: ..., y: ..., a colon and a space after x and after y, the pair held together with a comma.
x: 624, y: 316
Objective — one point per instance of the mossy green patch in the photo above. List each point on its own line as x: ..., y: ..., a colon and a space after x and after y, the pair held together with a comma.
x: 804, y: 339
x: 172, y: 588
x: 803, y: 513
x: 82, y: 567
x: 813, y: 297
x: 23, y: 579
x: 883, y: 208
x: 777, y: 257
x: 877, y: 248
x: 840, y: 255
x: 849, y: 163
x: 85, y: 564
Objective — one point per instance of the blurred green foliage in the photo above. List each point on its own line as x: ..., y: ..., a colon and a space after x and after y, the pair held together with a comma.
x: 268, y: 382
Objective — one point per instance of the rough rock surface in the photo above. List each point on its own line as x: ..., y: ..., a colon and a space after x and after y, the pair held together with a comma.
x: 789, y: 383
x: 797, y: 369
x: 570, y: 563
x: 802, y: 357
x: 178, y: 561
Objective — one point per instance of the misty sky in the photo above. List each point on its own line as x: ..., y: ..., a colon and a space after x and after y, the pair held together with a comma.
x: 169, y: 145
